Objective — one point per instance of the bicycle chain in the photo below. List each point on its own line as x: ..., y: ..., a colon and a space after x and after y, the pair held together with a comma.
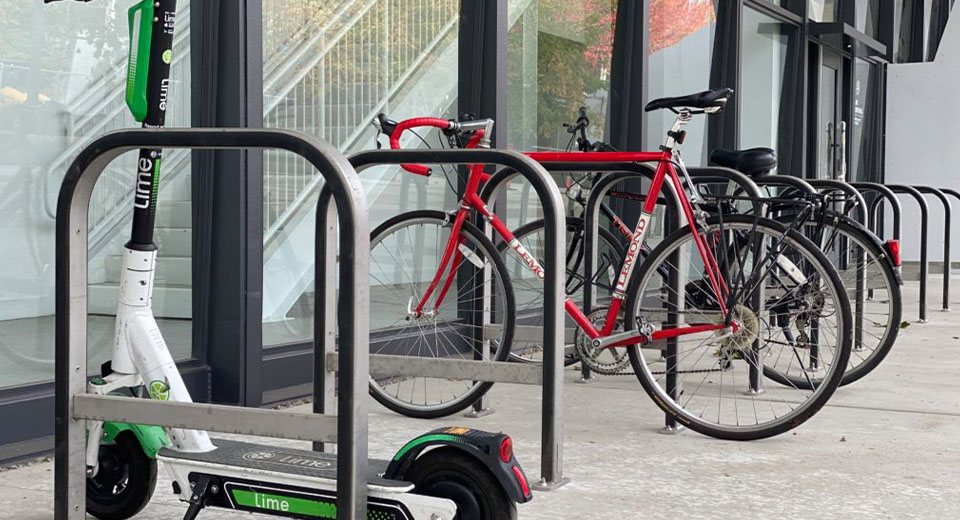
x: 663, y: 373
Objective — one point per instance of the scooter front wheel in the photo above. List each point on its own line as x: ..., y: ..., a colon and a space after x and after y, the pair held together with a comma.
x: 124, y: 482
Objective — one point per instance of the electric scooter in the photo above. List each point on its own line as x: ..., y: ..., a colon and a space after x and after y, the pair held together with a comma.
x: 444, y: 474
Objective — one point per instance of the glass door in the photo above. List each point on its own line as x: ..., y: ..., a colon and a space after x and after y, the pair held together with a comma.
x: 831, y: 128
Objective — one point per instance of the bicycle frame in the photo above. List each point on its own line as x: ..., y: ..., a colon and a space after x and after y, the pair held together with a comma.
x: 603, y: 337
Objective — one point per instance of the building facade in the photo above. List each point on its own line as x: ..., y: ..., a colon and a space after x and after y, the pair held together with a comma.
x: 234, y: 286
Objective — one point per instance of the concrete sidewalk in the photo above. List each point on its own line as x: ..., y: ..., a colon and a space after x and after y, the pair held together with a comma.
x: 885, y: 447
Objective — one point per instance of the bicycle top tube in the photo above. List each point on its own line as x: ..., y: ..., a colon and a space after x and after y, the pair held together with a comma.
x: 599, y: 157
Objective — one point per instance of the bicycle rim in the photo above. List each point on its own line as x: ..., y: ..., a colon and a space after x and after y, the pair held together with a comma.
x: 872, y: 288
x: 474, y: 320
x: 713, y: 383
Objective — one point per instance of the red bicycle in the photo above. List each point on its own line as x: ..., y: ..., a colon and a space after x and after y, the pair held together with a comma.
x: 702, y: 318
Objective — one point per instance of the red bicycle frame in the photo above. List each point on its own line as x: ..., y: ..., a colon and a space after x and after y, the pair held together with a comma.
x: 604, y: 337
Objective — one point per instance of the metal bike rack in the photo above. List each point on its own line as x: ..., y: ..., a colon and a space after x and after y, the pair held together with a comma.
x: 549, y: 375
x: 616, y: 174
x: 929, y: 190
x: 74, y: 406
x: 924, y: 217
x: 884, y: 194
x: 722, y: 175
x: 830, y: 185
x: 953, y: 193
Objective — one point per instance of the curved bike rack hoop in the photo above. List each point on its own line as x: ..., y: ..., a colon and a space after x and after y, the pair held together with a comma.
x: 785, y: 181
x: 939, y: 194
x: 951, y: 192
x: 885, y: 194
x: 719, y: 174
x: 550, y: 375
x: 831, y: 185
x: 924, y: 219
x: 862, y: 212
x: 74, y: 406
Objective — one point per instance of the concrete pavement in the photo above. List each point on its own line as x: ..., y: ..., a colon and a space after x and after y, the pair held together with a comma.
x: 885, y: 447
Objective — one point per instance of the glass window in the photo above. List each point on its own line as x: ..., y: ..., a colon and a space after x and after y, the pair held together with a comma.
x: 558, y: 60
x: 763, y: 80
x: 867, y: 14
x: 62, y: 73
x: 329, y: 69
x: 680, y: 60
x: 865, y: 132
x: 823, y: 10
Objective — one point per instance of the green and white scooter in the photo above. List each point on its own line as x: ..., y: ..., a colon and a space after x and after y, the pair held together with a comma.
x: 445, y: 474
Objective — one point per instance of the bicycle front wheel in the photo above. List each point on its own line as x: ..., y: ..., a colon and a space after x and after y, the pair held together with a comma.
x: 792, y: 315
x: 474, y: 319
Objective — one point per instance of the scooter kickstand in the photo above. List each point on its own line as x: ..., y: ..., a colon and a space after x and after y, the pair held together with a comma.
x: 198, y: 498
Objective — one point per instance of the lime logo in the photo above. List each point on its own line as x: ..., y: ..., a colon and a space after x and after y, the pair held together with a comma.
x: 159, y: 390
x: 258, y: 455
x: 167, y: 56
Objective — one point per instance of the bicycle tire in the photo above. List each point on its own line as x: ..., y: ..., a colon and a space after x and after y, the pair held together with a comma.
x: 877, y: 256
x: 502, y: 350
x: 779, y: 424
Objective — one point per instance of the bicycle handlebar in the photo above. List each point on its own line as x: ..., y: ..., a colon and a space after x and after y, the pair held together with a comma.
x: 481, y: 129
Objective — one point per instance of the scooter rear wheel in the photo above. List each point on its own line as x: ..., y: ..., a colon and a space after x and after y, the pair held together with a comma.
x: 451, y: 474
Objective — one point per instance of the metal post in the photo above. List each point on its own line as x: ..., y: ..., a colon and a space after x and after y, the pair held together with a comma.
x: 71, y: 313
x: 929, y: 190
x: 554, y: 278
x: 885, y: 195
x: 715, y: 174
x: 924, y: 217
x: 955, y: 194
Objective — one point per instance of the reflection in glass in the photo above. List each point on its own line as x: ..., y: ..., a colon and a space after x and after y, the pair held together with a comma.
x: 558, y: 60
x: 329, y: 69
x: 864, y: 144
x: 823, y: 10
x: 827, y: 117
x: 765, y: 47
x: 62, y: 72
x: 681, y: 47
x: 867, y: 14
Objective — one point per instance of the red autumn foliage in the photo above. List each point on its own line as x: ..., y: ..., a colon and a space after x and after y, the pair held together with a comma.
x: 674, y: 20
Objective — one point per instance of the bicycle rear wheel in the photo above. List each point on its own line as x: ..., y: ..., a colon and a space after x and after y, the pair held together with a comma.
x: 712, y: 383
x: 872, y: 287
x: 474, y: 320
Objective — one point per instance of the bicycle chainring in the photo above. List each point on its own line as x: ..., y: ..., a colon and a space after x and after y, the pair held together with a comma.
x: 607, y: 361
